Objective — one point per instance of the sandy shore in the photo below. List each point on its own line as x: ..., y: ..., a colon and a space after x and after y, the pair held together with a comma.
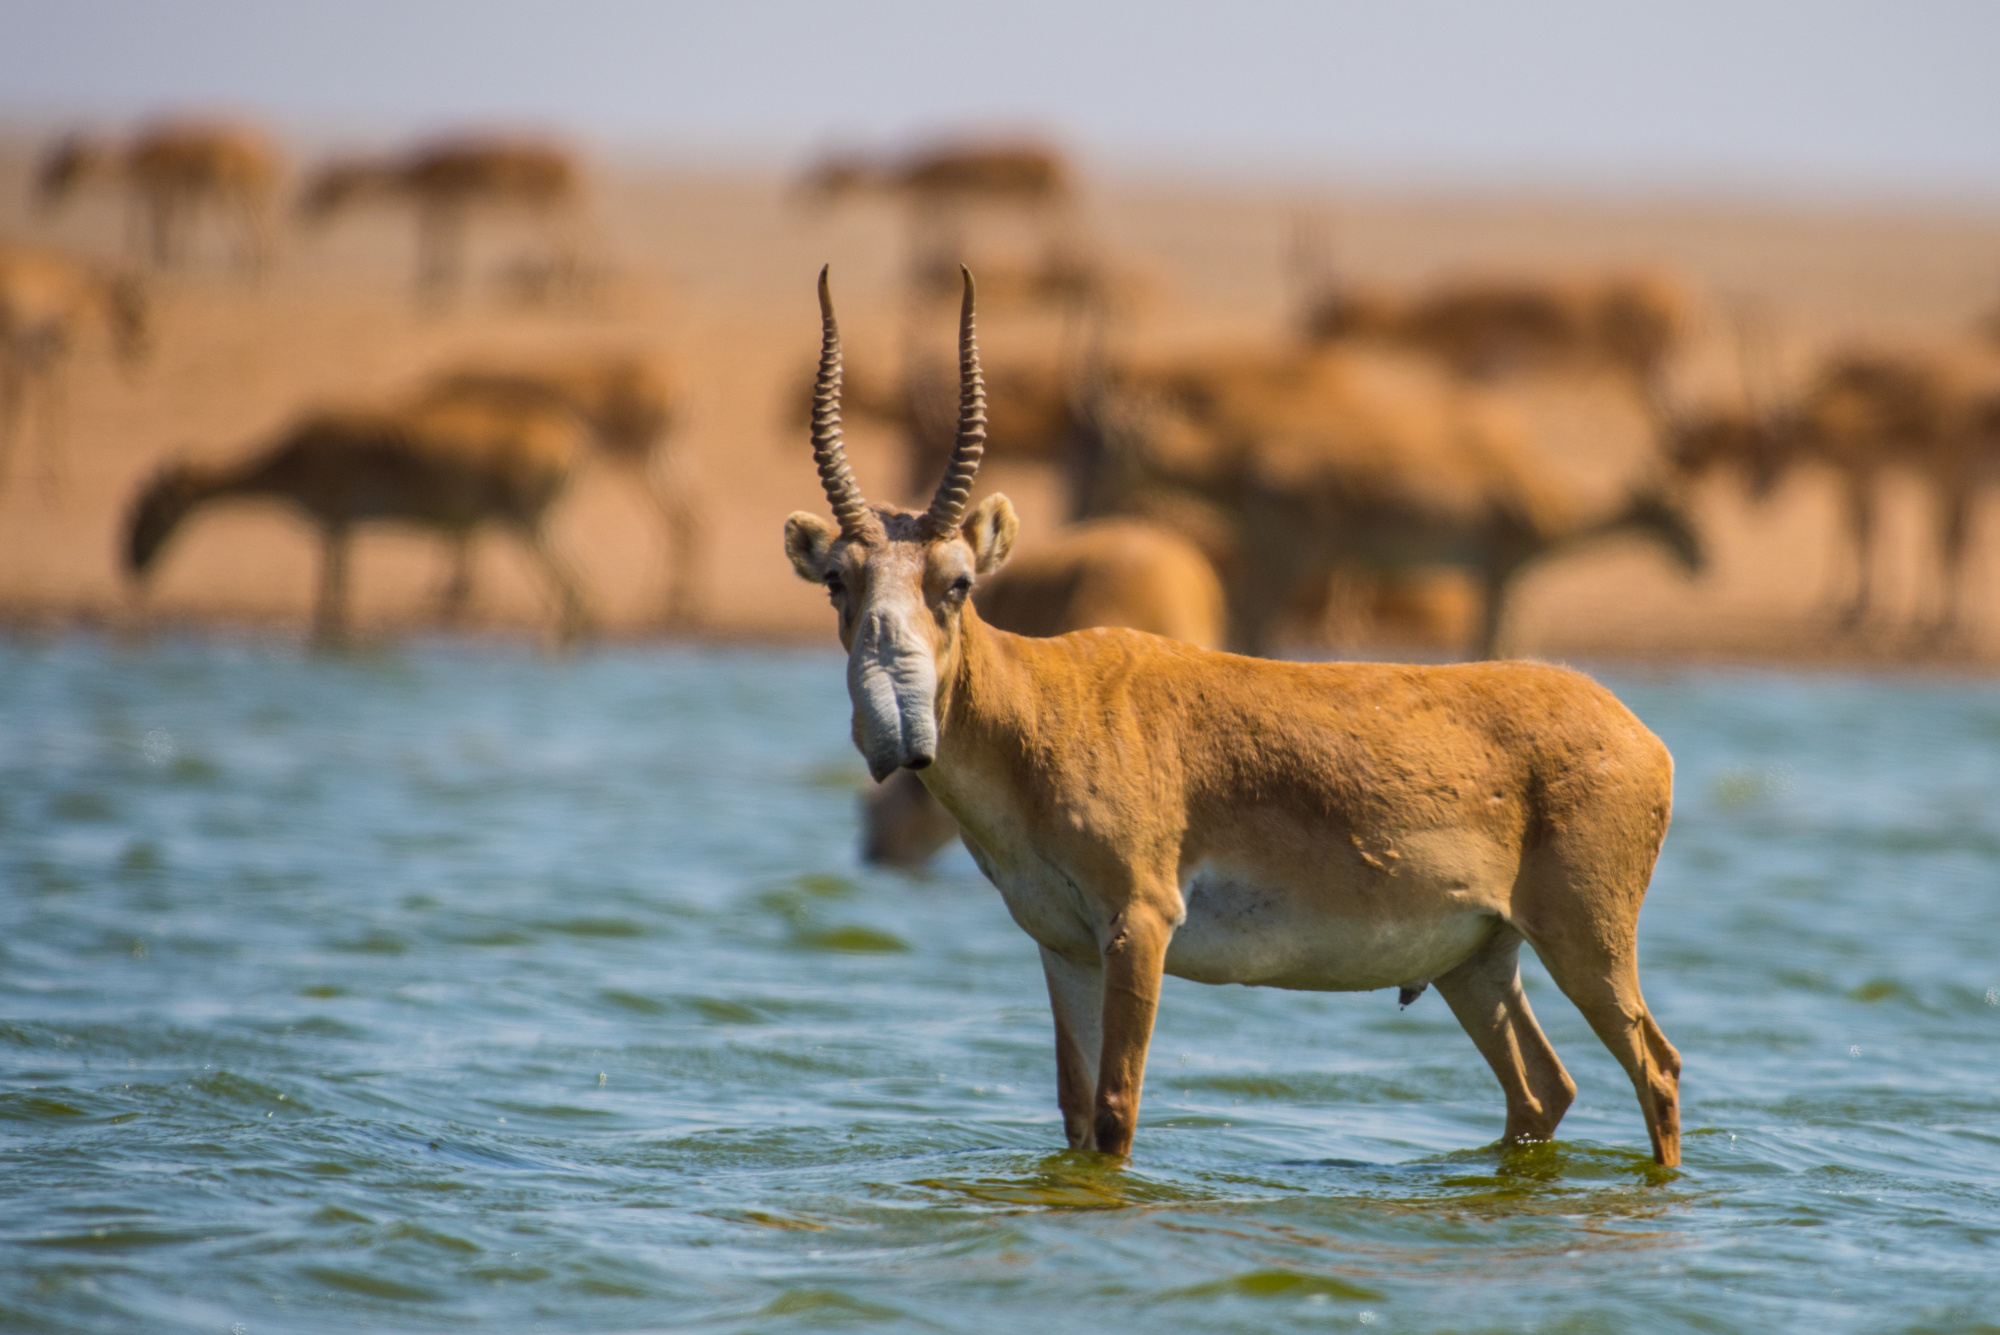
x: 712, y: 274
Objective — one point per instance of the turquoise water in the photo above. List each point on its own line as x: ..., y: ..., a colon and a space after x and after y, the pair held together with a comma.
x: 459, y: 989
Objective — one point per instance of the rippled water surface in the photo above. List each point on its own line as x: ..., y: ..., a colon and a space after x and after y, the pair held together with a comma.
x: 452, y: 989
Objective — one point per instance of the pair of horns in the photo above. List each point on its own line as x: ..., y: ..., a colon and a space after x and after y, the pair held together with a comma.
x: 947, y: 508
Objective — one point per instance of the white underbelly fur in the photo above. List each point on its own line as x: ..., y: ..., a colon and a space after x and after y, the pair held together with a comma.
x: 1237, y: 931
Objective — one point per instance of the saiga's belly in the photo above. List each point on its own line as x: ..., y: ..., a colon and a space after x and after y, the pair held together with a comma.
x: 1240, y: 931
x: 1344, y: 929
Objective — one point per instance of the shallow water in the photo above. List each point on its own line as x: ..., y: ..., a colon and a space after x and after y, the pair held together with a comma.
x: 452, y: 989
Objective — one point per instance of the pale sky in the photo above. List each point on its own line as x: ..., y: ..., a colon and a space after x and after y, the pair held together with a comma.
x: 1846, y: 96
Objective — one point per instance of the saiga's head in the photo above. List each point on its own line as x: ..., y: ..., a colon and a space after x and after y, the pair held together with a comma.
x: 1761, y: 445
x: 901, y: 582
x: 156, y: 512
x: 335, y: 188
x: 63, y: 168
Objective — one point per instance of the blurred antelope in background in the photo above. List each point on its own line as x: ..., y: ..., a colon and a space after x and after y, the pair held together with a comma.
x: 48, y: 302
x: 446, y: 184
x: 1305, y: 465
x: 942, y: 184
x: 629, y: 407
x: 1111, y: 572
x: 1023, y: 172
x: 1627, y: 323
x: 1864, y: 414
x: 171, y: 173
x: 449, y: 466
x: 1146, y: 807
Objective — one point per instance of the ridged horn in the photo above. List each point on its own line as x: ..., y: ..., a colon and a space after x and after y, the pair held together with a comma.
x: 829, y: 451
x: 948, y: 506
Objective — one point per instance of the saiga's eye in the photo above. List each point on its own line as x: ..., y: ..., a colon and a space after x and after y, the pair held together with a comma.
x: 960, y: 587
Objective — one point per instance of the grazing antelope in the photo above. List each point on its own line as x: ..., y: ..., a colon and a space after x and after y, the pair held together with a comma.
x: 448, y: 466
x: 1111, y: 572
x: 172, y: 171
x: 999, y: 171
x: 1627, y: 323
x: 1147, y: 807
x: 1864, y: 414
x: 47, y: 301
x: 1346, y: 460
x: 941, y: 184
x: 1869, y: 412
x: 629, y: 407
x: 446, y: 183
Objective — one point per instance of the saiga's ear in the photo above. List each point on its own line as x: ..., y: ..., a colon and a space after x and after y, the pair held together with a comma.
x: 808, y: 541
x: 991, y: 529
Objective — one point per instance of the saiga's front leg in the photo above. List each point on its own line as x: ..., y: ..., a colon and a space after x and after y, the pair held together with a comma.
x: 1135, y: 953
x: 1076, y: 995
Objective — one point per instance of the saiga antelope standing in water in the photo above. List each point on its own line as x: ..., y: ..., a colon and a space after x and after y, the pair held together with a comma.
x: 46, y: 302
x: 172, y: 171
x: 448, y: 181
x: 448, y: 467
x: 1146, y: 807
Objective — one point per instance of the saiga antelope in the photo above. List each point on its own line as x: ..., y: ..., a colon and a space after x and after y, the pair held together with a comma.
x: 172, y: 171
x: 1001, y: 171
x: 1864, y: 414
x: 629, y: 407
x: 1626, y: 322
x: 1111, y: 572
x: 447, y: 467
x: 942, y: 183
x: 1340, y: 461
x: 1147, y: 807
x: 446, y: 182
x: 1872, y: 411
x: 46, y: 303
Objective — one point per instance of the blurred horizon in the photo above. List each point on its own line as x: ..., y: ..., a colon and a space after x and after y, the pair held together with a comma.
x: 1778, y: 99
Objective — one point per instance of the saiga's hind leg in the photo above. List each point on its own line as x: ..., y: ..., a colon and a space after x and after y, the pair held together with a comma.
x: 1577, y: 903
x: 666, y: 482
x: 456, y: 595
x: 1956, y: 497
x: 1485, y: 994
x: 1601, y: 976
x: 1859, y: 498
x: 574, y: 612
x: 330, y: 611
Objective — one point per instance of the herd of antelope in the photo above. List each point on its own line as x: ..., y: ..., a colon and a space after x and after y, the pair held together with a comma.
x: 479, y: 443
x: 1344, y: 470
x: 1145, y: 802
